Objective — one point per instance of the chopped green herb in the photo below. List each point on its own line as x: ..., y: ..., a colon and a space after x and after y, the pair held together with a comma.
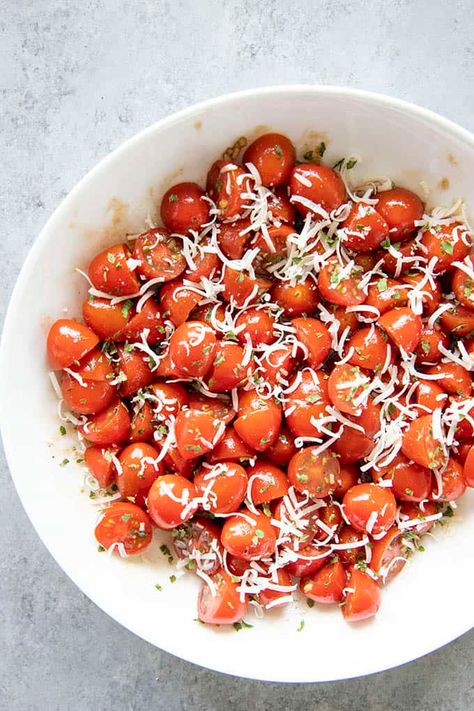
x: 242, y: 625
x: 382, y: 284
x: 158, y: 587
x: 62, y: 430
x: 300, y: 626
x: 100, y: 549
x: 278, y: 151
x: 446, y: 247
x: 172, y: 578
x: 64, y: 462
x: 173, y: 197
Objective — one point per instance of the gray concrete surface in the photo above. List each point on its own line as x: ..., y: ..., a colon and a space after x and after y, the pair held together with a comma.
x: 76, y: 79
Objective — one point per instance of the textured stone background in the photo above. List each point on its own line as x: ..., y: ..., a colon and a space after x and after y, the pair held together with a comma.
x: 76, y: 79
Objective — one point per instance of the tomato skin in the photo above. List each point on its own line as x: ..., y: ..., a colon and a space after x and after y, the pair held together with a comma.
x: 168, y: 399
x: 233, y: 237
x: 296, y: 300
x: 268, y: 597
x: 364, y: 228
x: 458, y: 320
x: 183, y: 208
x: 240, y: 538
x: 469, y: 467
x: 446, y: 244
x: 274, y: 252
x: 342, y: 292
x: 325, y: 585
x: 403, y: 326
x: 410, y: 482
x: 462, y: 284
x: 384, y: 551
x: 390, y: 295
x: 268, y: 483
x: 124, y: 523
x: 258, y: 324
x: 134, y: 365
x: 142, y: 424
x: 342, y: 393
x: 457, y: 380
x: 223, y: 608
x: 221, y: 409
x: 68, y: 341
x: 93, y: 397
x: 348, y: 475
x: 111, y: 426
x: 312, y: 559
x: 274, y: 156
x: 196, y: 433
x: 370, y: 348
x: 160, y: 255
x: 178, y: 301
x: 258, y: 421
x: 352, y: 444
x: 230, y: 449
x: 228, y: 371
x: 198, y: 535
x: 419, y: 444
x: 280, y: 207
x: 413, y: 511
x: 100, y: 464
x: 226, y: 187
x: 277, y: 365
x: 283, y: 448
x: 163, y: 509
x: 136, y: 473
x: 110, y: 273
x: 351, y: 556
x: 427, y: 350
x: 241, y: 289
x: 430, y: 395
x: 229, y: 486
x: 107, y: 320
x: 306, y: 403
x: 148, y: 318
x: 393, y: 265
x: 365, y: 599
x: 400, y: 208
x: 454, y: 484
x: 432, y: 297
x: 327, y: 188
x: 192, y: 348
x: 315, y: 337
x: 364, y: 499
x: 318, y: 474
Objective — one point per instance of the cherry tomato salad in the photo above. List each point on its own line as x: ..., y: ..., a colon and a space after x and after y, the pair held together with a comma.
x: 279, y: 374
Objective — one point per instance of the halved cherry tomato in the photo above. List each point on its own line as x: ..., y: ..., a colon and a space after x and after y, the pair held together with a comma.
x: 219, y: 407
x: 370, y: 508
x: 349, y: 537
x: 364, y: 228
x: 338, y: 287
x: 240, y: 289
x: 229, y: 369
x: 431, y: 294
x: 134, y: 366
x: 233, y: 238
x: 230, y: 449
x: 270, y: 597
x: 459, y: 321
x: 310, y: 558
x: 268, y: 482
x: 226, y: 184
x: 453, y: 482
x: 142, y: 424
x: 430, y: 395
x: 109, y: 271
x: 111, y: 426
x: 206, y: 263
x: 396, y: 265
x: 192, y: 348
x: 411, y: 512
x: 352, y: 444
x: 280, y: 207
x: 68, y: 342
x: 196, y: 433
x: 276, y: 365
x: 319, y: 184
x: 400, y: 208
x: 148, y: 318
x: 386, y: 294
x: 171, y: 501
x: 296, y: 300
x: 388, y: 555
x: 282, y: 449
x: 258, y: 421
x: 420, y: 445
x: 370, y: 348
x: 168, y: 399
x: 325, y: 585
x: 448, y: 243
x: 348, y: 475
x: 107, y: 320
x: 328, y: 517
x: 315, y: 338
x: 221, y: 605
x: 463, y: 284
x: 257, y: 324
x: 363, y: 597
x: 456, y: 379
x: 86, y: 397
x: 139, y: 468
x: 273, y: 246
x: 274, y: 156
x: 306, y: 403
x: 427, y: 350
x: 346, y: 387
x: 183, y: 208
x: 178, y: 301
x: 124, y: 524
x: 224, y: 486
x: 100, y: 464
x: 160, y: 255
x: 410, y: 482
x: 199, y: 540
x: 314, y: 472
x: 248, y: 535
x: 403, y: 326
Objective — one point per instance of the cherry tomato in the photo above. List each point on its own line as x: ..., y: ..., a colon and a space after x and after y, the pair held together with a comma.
x: 142, y: 424
x: 178, y: 301
x: 319, y: 184
x: 420, y: 445
x: 348, y: 475
x: 400, y: 208
x: 196, y: 433
x: 111, y: 426
x: 224, y: 486
x: 316, y: 473
x: 199, y: 540
x: 206, y: 263
x: 325, y: 585
x: 459, y: 321
x: 100, y: 464
x: 276, y: 365
x: 453, y: 482
x: 183, y: 208
x: 107, y: 320
x: 273, y: 246
x: 192, y: 348
x: 87, y: 396
x: 352, y: 444
x: 280, y: 207
x: 353, y: 553
x: 370, y: 508
x: 168, y: 399
x: 364, y: 228
x: 410, y: 482
x: 124, y: 524
x: 233, y: 238
x: 222, y: 604
x: 68, y: 342
x: 403, y: 326
x: 258, y: 325
x: 427, y: 350
x: 258, y: 421
x: 240, y: 289
x: 109, y: 271
x: 431, y: 294
x: 363, y: 597
x: 331, y: 518
x: 310, y: 558
x: 410, y: 511
x: 388, y: 555
x: 315, y: 338
x: 229, y: 369
x: 462, y: 284
x: 139, y: 468
x: 430, y: 395
x: 447, y: 243
x: 370, y: 349
x: 340, y: 288
x: 171, y: 501
x: 282, y: 449
x: 160, y: 255
x: 274, y: 156
x: 346, y: 385
x: 248, y: 535
x: 469, y: 467
x: 221, y: 409
x: 306, y: 403
x: 296, y: 300
x: 230, y: 448
x: 149, y: 318
x: 386, y: 294
x: 226, y: 184
x: 456, y: 379
x: 269, y: 597
x: 135, y: 368
x: 268, y: 482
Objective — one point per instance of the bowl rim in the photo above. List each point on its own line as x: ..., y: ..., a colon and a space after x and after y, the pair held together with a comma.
x: 370, y: 97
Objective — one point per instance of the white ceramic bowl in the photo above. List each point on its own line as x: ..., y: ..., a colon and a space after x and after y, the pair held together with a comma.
x: 430, y: 603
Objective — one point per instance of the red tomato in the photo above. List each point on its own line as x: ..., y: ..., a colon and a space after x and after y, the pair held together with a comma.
x: 306, y: 404
x: 206, y: 263
x: 274, y: 156
x: 268, y: 482
x: 456, y: 379
x: 462, y: 284
x: 99, y: 462
x: 348, y: 475
x: 68, y: 342
x: 196, y: 433
x: 315, y: 338
x: 317, y: 474
x: 111, y: 426
x: 269, y: 597
x: 135, y: 368
x: 160, y: 255
x: 257, y: 324
x: 110, y: 273
x: 454, y: 484
x: 139, y: 468
x: 178, y: 301
x: 410, y: 482
x: 410, y: 511
x: 403, y: 326
x: 330, y: 516
x: 240, y: 289
x: 420, y: 445
x: 364, y: 597
x: 311, y: 557
x: 282, y: 449
x: 428, y: 348
x: 340, y: 288
x: 280, y: 207
x: 447, y: 243
x: 370, y: 348
x: 346, y: 387
x: 388, y: 555
x: 276, y: 365
x: 395, y: 265
x: 168, y: 399
x: 197, y: 539
x: 222, y: 604
x: 349, y: 537
x: 430, y: 396
x: 273, y: 247
x: 458, y: 320
x: 171, y: 501
x: 364, y: 228
x: 229, y: 370
x: 370, y: 508
x: 319, y: 184
x: 230, y: 448
x: 400, y: 208
x: 386, y: 294
x: 124, y: 524
x: 183, y: 208
x: 431, y: 295
x: 149, y: 318
x: 220, y: 408
x: 325, y: 585
x: 249, y: 536
x: 223, y: 486
x: 258, y: 421
x: 142, y: 424
x: 469, y: 467
x: 353, y: 445
x: 107, y: 320
x: 233, y: 238
x: 192, y: 348
x: 296, y: 300
x: 226, y: 185
x: 87, y: 398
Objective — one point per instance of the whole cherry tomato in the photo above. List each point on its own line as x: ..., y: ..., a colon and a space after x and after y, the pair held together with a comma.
x: 249, y: 536
x: 258, y: 421
x: 274, y: 156
x: 183, y: 208
x: 370, y: 508
x: 171, y: 501
x: 400, y: 208
x: 139, y: 468
x: 318, y: 184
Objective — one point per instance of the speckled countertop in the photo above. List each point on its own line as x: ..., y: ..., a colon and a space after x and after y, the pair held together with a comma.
x: 76, y: 79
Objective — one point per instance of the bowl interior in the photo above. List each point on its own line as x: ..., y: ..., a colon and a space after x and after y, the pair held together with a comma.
x: 417, y: 150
